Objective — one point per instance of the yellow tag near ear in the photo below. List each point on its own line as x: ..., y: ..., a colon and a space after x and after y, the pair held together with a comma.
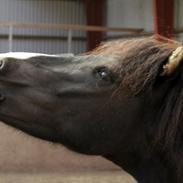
x: 173, y: 61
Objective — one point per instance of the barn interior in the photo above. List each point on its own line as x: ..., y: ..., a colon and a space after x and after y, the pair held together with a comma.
x: 72, y: 26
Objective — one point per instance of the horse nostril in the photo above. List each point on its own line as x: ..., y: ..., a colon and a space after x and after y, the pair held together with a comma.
x: 2, y: 97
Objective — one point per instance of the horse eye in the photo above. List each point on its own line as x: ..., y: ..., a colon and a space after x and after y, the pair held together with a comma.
x: 103, y: 74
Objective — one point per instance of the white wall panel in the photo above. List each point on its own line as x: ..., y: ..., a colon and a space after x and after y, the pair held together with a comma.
x: 119, y: 13
x: 43, y: 11
x: 178, y: 17
x: 130, y: 13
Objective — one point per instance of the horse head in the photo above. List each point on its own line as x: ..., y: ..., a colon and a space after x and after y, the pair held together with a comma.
x: 118, y: 101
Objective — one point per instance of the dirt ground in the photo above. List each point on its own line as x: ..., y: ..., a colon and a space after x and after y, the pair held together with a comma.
x: 24, y: 159
x: 89, y: 177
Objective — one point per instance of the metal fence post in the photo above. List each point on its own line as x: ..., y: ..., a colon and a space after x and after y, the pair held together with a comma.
x: 10, y: 38
x: 69, y: 41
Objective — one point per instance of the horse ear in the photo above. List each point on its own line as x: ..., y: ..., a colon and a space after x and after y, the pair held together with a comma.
x: 175, y: 59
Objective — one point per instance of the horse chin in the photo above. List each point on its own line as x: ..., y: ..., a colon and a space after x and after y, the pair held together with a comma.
x: 31, y: 128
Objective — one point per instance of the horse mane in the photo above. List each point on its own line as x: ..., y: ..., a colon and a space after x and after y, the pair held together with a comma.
x: 142, y: 62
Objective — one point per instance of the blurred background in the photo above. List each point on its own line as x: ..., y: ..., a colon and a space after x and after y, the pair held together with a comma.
x: 72, y: 26
x: 61, y: 26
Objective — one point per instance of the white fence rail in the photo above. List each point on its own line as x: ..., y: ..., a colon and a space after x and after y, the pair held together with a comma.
x: 70, y: 28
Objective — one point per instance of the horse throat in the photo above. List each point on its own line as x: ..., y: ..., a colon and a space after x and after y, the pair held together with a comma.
x: 145, y: 169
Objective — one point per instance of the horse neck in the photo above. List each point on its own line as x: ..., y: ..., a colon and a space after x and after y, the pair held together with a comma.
x: 146, y: 169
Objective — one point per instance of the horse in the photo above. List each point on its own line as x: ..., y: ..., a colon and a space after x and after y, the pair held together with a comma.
x: 122, y: 101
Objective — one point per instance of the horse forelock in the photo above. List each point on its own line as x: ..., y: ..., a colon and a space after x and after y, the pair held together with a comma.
x: 141, y: 60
